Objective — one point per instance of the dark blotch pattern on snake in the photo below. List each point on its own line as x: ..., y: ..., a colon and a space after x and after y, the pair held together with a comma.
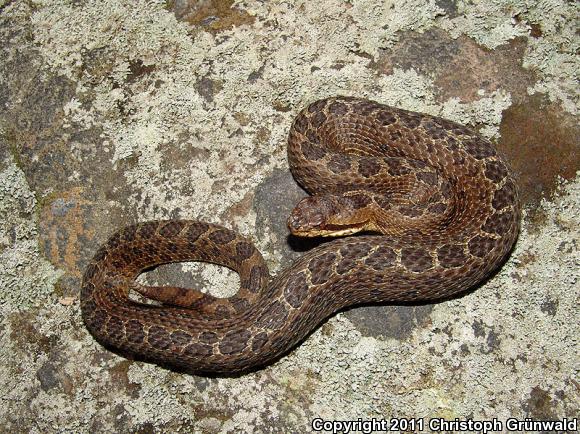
x: 438, y: 206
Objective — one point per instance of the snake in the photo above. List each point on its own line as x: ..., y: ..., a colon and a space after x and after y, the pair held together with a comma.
x: 420, y: 209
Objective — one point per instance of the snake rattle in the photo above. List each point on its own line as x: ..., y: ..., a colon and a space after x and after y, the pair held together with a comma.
x: 437, y: 206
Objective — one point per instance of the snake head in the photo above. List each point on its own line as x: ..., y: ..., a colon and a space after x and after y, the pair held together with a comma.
x: 327, y: 216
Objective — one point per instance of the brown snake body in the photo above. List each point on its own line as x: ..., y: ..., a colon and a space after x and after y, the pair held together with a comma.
x: 443, y: 202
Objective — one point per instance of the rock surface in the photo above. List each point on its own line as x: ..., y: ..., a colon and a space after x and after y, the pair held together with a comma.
x: 113, y: 113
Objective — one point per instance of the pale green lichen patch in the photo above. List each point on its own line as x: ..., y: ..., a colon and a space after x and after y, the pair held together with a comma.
x: 164, y: 104
x: 552, y: 46
x: 555, y: 53
x: 380, y: 22
x: 409, y: 90
x: 490, y: 23
x: 26, y: 278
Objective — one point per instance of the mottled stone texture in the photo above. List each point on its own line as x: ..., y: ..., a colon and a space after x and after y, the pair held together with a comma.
x: 113, y: 113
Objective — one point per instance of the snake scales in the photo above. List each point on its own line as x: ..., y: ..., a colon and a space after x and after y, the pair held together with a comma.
x: 438, y: 205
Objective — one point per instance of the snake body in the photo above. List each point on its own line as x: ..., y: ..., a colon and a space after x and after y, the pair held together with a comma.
x: 440, y: 204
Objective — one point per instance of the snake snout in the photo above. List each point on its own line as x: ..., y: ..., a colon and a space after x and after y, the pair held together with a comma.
x: 307, y: 217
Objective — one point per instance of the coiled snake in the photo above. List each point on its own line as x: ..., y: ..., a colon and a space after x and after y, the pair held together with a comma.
x: 438, y: 205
